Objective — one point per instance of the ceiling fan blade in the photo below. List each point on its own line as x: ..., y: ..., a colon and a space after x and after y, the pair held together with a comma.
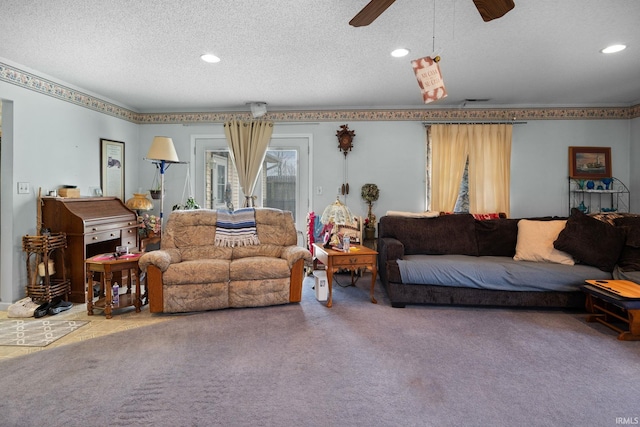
x: 370, y: 12
x: 493, y: 9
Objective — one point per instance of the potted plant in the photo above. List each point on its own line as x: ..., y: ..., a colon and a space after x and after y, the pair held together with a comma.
x: 370, y: 194
x: 155, y: 187
x: 149, y: 226
x: 155, y: 194
x: 188, y: 205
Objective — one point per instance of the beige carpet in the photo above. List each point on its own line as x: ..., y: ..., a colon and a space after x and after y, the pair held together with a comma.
x: 355, y: 364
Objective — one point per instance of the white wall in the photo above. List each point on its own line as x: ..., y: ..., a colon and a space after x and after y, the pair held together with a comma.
x: 51, y: 143
x: 540, y: 161
x: 389, y: 154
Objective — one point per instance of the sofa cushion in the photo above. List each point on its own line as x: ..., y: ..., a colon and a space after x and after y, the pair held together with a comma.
x: 192, y: 253
x: 631, y: 225
x: 535, y: 242
x: 591, y: 241
x: 632, y: 236
x: 497, y: 237
x: 276, y: 227
x: 258, y: 268
x: 258, y: 293
x: 195, y: 297
x: 443, y: 235
x: 496, y: 273
x: 629, y: 259
x: 186, y: 228
x: 197, y: 271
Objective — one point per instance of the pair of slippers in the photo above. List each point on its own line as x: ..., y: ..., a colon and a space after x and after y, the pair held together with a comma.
x: 22, y: 308
x: 52, y: 308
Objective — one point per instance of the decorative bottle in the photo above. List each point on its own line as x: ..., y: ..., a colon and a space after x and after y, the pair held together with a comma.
x: 115, y: 300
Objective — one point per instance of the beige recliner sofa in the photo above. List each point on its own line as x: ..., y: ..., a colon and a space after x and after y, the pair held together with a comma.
x: 191, y: 273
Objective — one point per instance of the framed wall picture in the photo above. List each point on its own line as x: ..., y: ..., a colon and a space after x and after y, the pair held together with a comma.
x: 590, y: 162
x: 112, y: 168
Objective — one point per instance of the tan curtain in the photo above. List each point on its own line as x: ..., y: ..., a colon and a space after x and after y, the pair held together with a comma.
x: 489, y: 167
x: 428, y: 156
x: 248, y: 142
x: 488, y: 148
x: 449, y: 148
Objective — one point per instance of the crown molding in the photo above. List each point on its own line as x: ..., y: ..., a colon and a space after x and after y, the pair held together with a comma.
x: 56, y: 90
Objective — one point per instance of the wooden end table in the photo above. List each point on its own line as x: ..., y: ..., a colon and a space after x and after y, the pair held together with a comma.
x: 358, y: 257
x: 105, y: 265
x: 609, y: 307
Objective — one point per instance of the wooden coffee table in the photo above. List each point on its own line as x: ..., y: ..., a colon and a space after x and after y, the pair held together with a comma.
x: 614, y: 302
x: 358, y: 257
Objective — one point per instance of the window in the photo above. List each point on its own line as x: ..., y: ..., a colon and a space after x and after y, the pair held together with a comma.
x: 280, y: 180
x: 218, y: 179
x: 468, y: 167
x: 283, y: 182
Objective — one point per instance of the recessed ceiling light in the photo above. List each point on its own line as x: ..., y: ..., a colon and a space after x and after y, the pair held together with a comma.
x: 210, y: 58
x: 614, y: 48
x: 399, y: 53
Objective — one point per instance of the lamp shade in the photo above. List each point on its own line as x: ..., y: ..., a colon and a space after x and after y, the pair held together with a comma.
x: 162, y: 149
x: 337, y: 213
x: 139, y: 202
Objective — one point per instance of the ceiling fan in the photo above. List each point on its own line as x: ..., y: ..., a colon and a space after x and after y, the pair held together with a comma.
x: 489, y: 9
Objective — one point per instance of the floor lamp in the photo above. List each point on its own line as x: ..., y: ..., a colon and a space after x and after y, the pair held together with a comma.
x: 162, y: 152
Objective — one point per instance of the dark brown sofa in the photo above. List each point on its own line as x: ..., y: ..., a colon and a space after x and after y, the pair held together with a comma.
x: 465, y: 261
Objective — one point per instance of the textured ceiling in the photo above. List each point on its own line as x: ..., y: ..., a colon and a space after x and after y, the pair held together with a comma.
x: 300, y: 55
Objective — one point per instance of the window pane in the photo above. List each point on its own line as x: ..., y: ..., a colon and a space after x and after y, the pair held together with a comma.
x: 287, y: 159
x: 221, y: 180
x: 276, y: 186
x: 279, y: 180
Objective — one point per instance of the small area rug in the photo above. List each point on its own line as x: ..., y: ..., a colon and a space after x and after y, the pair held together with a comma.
x: 35, y: 332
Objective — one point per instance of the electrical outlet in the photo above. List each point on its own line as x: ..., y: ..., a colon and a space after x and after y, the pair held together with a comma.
x: 23, y: 188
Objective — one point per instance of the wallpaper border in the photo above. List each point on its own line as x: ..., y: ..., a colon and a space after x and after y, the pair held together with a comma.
x: 44, y: 86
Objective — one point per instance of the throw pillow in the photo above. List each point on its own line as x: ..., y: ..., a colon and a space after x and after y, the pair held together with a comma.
x: 535, y: 242
x: 488, y: 216
x: 630, y: 257
x: 608, y: 217
x: 591, y: 241
x: 497, y: 237
x: 631, y: 224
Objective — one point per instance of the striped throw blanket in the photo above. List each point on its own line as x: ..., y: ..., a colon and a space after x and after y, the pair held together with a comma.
x: 236, y: 228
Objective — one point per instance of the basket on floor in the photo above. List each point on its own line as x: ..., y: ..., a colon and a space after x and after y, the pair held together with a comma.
x: 40, y: 250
